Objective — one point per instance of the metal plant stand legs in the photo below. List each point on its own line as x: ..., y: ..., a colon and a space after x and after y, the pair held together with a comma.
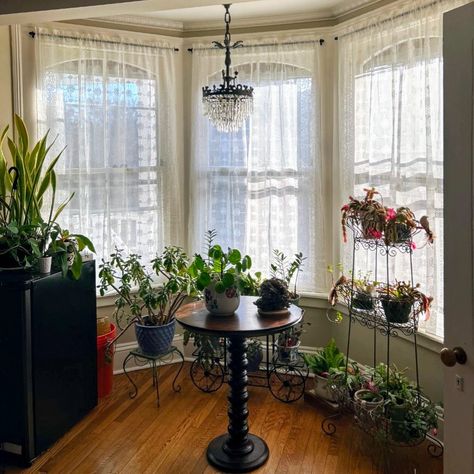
x: 237, y: 451
x: 137, y: 354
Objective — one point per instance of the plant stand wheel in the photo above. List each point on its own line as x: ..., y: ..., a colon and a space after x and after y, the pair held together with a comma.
x: 207, y: 376
x: 287, y: 383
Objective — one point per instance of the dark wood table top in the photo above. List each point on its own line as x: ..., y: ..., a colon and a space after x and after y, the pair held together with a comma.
x: 244, y: 322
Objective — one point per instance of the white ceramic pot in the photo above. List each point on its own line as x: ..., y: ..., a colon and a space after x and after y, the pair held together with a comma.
x: 368, y: 405
x: 221, y: 304
x: 322, y: 389
x: 45, y: 264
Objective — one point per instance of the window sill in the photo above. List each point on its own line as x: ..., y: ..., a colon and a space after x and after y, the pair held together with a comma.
x: 320, y: 301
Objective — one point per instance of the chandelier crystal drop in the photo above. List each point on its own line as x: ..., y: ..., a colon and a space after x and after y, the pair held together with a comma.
x: 229, y: 104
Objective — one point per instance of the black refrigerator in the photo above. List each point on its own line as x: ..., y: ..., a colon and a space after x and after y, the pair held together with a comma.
x: 48, y: 361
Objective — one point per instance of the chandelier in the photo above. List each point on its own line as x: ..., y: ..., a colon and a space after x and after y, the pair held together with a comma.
x: 228, y: 104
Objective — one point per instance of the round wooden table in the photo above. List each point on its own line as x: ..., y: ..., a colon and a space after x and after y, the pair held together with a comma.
x: 237, y: 451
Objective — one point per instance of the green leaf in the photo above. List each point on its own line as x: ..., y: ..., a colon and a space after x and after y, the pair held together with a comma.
x: 204, y: 280
x: 234, y: 256
x: 76, y: 266
x: 220, y: 288
x: 228, y: 280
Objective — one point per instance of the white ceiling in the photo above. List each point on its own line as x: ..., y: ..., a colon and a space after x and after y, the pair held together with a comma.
x: 257, y: 10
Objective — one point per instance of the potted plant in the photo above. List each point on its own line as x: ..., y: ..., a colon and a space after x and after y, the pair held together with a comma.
x: 274, y: 297
x: 410, y: 414
x: 149, y: 304
x: 286, y: 270
x: 359, y: 292
x: 367, y: 214
x: 220, y: 277
x: 25, y: 225
x: 399, y: 226
x: 66, y: 248
x: 210, y: 348
x: 321, y: 363
x: 254, y: 354
x: 402, y: 299
x: 368, y: 399
x: 288, y: 343
x: 342, y: 381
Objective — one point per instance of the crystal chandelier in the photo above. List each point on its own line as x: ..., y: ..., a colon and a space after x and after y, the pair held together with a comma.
x: 228, y: 104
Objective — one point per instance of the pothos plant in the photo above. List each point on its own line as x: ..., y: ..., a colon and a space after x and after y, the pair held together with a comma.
x: 67, y: 248
x: 148, y: 298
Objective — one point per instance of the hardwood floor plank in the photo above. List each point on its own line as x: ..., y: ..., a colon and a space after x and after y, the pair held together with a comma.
x: 124, y: 436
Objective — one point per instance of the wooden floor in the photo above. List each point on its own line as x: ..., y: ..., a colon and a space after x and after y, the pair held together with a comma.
x: 134, y: 436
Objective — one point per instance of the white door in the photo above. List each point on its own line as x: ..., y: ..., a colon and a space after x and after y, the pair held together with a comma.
x: 459, y: 238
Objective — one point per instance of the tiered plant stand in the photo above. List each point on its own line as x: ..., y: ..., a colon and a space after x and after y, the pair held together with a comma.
x: 376, y: 422
x: 285, y: 379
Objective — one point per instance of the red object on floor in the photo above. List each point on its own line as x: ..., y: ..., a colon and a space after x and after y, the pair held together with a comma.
x: 105, y: 363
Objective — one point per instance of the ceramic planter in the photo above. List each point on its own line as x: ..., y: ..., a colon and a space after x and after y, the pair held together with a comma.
x: 322, y: 389
x: 221, y: 304
x: 370, y: 404
x: 396, y: 311
x: 288, y: 354
x: 155, y: 340
x: 45, y: 264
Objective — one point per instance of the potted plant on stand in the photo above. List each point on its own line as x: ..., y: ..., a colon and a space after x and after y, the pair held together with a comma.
x: 219, y: 277
x: 402, y: 299
x: 321, y: 363
x: 288, y: 343
x: 149, y: 302
x: 285, y: 270
x: 367, y: 215
x: 274, y: 298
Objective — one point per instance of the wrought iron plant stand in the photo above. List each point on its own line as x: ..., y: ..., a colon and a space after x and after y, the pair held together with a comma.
x: 286, y: 379
x: 375, y: 421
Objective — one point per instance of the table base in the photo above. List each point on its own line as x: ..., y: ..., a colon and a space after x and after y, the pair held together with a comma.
x: 218, y: 457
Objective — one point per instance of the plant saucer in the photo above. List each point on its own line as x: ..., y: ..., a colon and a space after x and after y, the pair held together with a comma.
x: 275, y: 312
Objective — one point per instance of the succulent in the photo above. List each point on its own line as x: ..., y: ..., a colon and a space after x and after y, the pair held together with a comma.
x: 274, y: 295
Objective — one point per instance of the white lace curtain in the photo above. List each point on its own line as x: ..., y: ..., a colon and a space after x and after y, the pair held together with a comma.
x: 113, y: 102
x: 261, y: 188
x: 391, y: 128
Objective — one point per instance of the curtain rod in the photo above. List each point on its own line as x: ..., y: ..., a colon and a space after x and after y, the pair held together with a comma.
x: 388, y: 20
x: 33, y: 35
x: 320, y: 41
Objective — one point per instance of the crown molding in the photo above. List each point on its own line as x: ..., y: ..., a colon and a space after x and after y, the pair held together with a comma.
x: 322, y: 19
x: 142, y: 20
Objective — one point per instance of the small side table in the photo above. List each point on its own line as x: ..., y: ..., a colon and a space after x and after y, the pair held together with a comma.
x: 168, y: 356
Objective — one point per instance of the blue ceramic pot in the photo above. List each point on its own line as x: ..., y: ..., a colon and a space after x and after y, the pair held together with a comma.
x: 155, y: 340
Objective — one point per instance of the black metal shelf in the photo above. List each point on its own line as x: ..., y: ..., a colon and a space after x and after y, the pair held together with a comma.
x: 368, y: 311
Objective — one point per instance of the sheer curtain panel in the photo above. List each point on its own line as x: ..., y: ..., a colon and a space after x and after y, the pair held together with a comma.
x: 391, y: 130
x: 261, y: 188
x: 111, y: 102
